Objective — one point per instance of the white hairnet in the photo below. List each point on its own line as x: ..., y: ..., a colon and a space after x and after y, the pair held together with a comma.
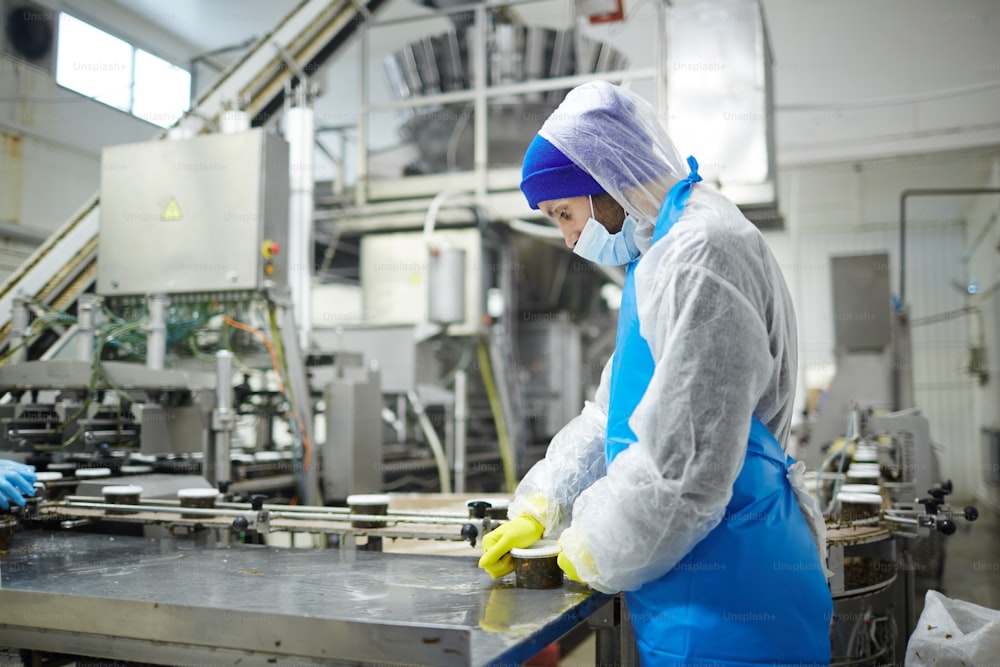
x: 615, y: 136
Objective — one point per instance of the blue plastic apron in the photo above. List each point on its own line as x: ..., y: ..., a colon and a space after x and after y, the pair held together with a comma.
x: 753, y: 591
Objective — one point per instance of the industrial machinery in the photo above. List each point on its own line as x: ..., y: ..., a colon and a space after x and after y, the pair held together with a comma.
x: 866, y: 437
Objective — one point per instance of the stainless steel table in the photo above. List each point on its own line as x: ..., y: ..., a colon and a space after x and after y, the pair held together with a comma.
x: 171, y: 602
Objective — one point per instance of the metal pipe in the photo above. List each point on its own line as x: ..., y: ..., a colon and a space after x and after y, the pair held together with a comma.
x: 109, y: 436
x: 480, y: 144
x: 156, y: 332
x: 89, y: 306
x: 300, y: 123
x: 540, y: 85
x: 16, y: 433
x: 274, y: 511
x: 461, y: 415
x: 222, y: 418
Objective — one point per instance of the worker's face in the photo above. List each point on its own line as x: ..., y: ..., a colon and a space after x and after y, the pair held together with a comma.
x: 571, y: 214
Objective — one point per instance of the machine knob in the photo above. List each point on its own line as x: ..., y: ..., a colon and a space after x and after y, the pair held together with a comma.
x: 971, y: 513
x: 931, y: 504
x: 257, y: 502
x: 947, y: 526
x: 223, y: 486
x: 240, y: 524
x: 479, y: 508
x: 470, y: 533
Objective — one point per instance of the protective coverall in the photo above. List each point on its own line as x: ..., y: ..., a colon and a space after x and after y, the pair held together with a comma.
x: 672, y: 485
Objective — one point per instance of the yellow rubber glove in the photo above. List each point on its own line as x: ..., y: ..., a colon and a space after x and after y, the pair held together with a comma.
x: 568, y: 568
x: 518, y: 533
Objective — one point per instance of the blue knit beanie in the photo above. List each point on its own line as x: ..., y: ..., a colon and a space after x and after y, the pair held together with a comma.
x: 548, y: 174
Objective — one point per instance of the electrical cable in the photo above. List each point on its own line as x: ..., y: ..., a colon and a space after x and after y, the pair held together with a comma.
x: 303, y: 433
x: 503, y: 439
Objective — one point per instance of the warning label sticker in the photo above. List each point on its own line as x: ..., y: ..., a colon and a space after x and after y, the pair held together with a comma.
x: 172, y: 211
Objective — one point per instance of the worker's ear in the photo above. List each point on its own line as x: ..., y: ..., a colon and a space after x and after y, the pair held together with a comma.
x: 608, y: 212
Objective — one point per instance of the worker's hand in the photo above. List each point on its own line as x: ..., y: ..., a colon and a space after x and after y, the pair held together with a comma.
x: 16, y: 481
x: 568, y: 568
x: 518, y: 533
x: 582, y: 559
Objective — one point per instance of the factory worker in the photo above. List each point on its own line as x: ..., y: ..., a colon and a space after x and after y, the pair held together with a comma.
x: 672, y: 485
x: 17, y: 480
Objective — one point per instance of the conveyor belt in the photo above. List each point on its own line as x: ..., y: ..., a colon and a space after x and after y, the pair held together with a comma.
x: 171, y: 602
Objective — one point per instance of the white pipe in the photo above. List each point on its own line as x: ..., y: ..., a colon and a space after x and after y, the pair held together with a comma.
x: 461, y: 416
x: 430, y: 220
x: 224, y: 416
x: 89, y: 307
x: 432, y: 439
x: 156, y: 332
x: 300, y: 132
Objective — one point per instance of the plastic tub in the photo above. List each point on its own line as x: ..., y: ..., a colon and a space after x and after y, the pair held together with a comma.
x: 859, y: 506
x: 201, y: 498
x: 93, y: 473
x: 370, y: 503
x: 861, y: 488
x: 7, y: 525
x: 127, y: 494
x: 537, y: 566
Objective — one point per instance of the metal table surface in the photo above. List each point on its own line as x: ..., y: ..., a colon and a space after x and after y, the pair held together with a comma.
x: 171, y: 602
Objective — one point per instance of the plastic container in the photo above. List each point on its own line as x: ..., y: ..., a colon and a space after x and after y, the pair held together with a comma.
x: 121, y: 495
x: 93, y: 473
x: 537, y: 566
x: 371, y: 503
x: 858, y: 506
x: 861, y: 488
x: 7, y: 525
x: 201, y: 498
x: 863, y: 473
x: 64, y: 468
x: 867, y: 455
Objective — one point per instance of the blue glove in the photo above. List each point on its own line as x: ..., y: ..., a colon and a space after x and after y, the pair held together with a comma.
x: 16, y: 481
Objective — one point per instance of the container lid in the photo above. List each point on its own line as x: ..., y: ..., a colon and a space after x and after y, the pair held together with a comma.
x: 267, y: 456
x: 93, y: 472
x: 48, y: 476
x: 197, y: 493
x: 540, y: 549
x: 136, y: 470
x: 368, y: 499
x: 123, y: 490
x: 865, y: 455
x: 861, y: 465
x: 141, y: 458
x: 62, y: 466
x: 860, y: 488
x: 860, y: 498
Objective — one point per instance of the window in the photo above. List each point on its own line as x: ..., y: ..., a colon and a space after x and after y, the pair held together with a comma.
x: 112, y: 71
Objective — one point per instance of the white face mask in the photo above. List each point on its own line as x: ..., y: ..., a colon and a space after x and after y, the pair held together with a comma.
x: 601, y: 247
